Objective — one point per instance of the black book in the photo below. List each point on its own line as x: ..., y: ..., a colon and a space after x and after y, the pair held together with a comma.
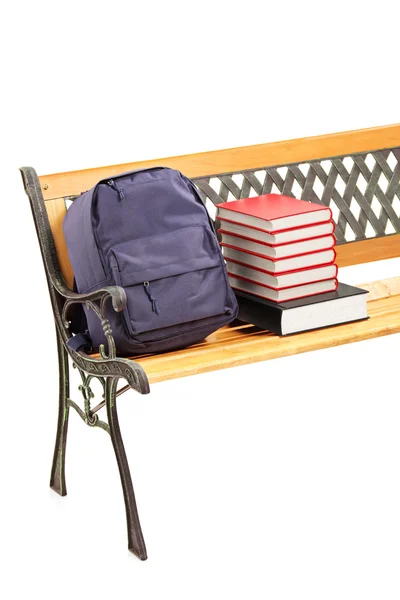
x: 344, y: 305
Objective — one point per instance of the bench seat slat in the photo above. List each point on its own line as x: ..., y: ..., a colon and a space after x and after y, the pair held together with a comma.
x: 245, y: 344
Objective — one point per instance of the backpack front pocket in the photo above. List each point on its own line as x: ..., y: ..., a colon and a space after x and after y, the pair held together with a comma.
x: 170, y: 279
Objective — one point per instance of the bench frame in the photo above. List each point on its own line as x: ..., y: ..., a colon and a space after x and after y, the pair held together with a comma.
x: 107, y: 367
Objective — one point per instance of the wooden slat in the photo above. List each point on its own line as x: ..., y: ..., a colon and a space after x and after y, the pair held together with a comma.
x: 56, y: 211
x: 245, y: 344
x: 384, y: 288
x: 355, y: 253
x: 234, y: 159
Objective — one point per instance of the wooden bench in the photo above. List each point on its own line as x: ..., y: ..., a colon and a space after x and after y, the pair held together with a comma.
x: 356, y: 173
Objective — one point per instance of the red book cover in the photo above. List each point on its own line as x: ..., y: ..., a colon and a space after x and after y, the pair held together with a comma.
x: 282, y: 295
x: 276, y: 231
x: 281, y: 281
x: 250, y: 239
x: 274, y: 212
x: 279, y: 266
x: 290, y: 250
x: 304, y: 269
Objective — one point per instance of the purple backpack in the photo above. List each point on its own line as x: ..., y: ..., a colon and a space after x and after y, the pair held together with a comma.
x: 149, y: 232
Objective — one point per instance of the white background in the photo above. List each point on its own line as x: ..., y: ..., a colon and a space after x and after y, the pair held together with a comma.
x: 278, y: 480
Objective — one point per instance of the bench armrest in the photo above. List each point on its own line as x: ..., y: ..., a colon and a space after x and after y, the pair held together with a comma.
x: 108, y: 364
x: 115, y: 293
x: 96, y: 301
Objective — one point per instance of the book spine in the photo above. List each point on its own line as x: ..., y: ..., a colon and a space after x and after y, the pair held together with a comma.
x: 277, y: 231
x: 285, y: 257
x: 257, y: 314
x: 273, y: 244
x: 277, y: 287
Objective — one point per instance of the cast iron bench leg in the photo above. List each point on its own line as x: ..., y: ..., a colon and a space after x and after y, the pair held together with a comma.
x: 135, y: 537
x: 57, y: 478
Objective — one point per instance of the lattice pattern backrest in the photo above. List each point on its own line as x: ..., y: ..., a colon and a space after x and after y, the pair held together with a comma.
x: 362, y: 190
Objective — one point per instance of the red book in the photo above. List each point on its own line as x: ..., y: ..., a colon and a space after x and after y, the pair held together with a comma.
x: 239, y: 242
x: 282, y: 280
x: 273, y: 212
x: 306, y: 232
x: 281, y: 265
x: 282, y: 295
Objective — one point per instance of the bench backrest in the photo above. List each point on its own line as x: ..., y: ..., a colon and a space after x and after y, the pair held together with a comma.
x: 356, y: 174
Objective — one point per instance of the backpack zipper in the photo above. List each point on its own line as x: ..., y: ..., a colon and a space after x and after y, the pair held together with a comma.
x: 153, y: 301
x: 115, y: 186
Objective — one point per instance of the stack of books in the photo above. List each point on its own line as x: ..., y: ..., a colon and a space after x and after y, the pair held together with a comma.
x: 280, y: 251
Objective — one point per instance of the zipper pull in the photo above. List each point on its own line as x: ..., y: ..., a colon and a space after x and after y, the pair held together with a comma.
x: 153, y: 301
x: 114, y: 185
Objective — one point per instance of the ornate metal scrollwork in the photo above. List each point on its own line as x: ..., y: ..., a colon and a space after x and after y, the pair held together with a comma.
x: 105, y: 323
x: 109, y: 365
x: 100, y: 311
x: 87, y: 394
x: 81, y: 413
x: 87, y: 415
x: 115, y: 367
